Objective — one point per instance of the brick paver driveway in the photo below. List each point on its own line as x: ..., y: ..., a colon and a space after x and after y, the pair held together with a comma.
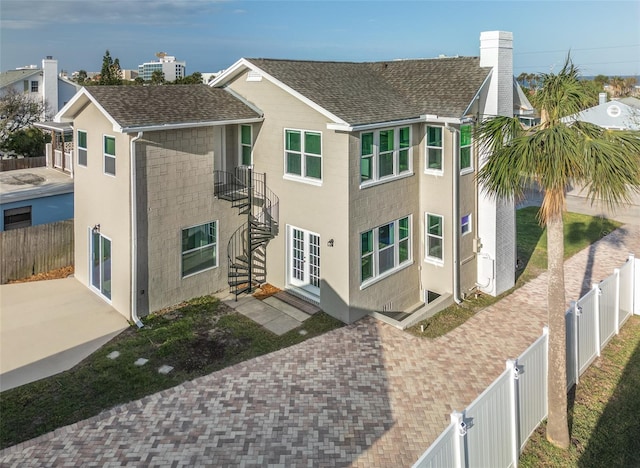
x: 364, y: 395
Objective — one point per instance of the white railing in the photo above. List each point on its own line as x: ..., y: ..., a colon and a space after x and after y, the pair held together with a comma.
x: 493, y: 430
x: 57, y: 160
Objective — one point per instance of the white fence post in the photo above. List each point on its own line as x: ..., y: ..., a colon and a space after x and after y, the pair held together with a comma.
x: 457, y: 419
x: 576, y: 311
x: 616, y: 272
x: 512, y: 367
x: 596, y: 315
x: 635, y: 290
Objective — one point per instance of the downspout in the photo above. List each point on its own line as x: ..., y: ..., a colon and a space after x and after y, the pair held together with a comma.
x: 134, y: 234
x: 456, y: 212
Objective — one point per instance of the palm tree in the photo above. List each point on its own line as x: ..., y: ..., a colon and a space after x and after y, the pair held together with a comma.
x: 554, y: 154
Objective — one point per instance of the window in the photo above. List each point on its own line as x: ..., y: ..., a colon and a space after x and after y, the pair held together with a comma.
x: 15, y: 218
x: 82, y: 148
x: 199, y: 248
x: 434, y: 238
x: 245, y: 145
x: 34, y: 86
x: 434, y: 150
x: 385, y: 154
x: 109, y: 155
x: 303, y: 154
x: 385, y: 249
x: 465, y: 224
x: 465, y: 148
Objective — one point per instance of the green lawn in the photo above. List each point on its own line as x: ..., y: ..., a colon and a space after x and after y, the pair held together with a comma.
x: 196, y: 338
x: 603, y: 412
x: 531, y: 242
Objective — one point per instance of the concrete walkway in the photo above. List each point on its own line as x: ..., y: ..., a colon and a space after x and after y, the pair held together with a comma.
x: 47, y: 327
x: 363, y: 395
x: 273, y: 314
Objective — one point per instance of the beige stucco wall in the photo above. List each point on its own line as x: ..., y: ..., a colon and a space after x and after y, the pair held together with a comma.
x: 320, y: 209
x: 437, y: 197
x: 175, y: 186
x: 103, y: 199
x: 374, y: 206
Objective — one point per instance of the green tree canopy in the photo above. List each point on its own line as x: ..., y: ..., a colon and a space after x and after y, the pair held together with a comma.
x: 157, y: 77
x: 110, y: 74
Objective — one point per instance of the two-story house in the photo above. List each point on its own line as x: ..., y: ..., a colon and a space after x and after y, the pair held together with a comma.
x: 349, y: 184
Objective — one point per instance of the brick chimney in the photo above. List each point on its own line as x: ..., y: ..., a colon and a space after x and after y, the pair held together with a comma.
x: 496, y: 51
x: 496, y: 217
x: 50, y: 84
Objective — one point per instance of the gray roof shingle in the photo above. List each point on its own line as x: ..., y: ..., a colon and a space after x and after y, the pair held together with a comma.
x: 137, y: 106
x: 371, y: 92
x: 12, y: 76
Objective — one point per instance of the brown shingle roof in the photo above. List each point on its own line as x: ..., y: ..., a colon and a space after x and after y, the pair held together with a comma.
x: 134, y: 106
x: 362, y: 93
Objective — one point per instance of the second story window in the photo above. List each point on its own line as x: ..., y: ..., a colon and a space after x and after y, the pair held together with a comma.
x: 109, y: 155
x: 385, y: 154
x: 82, y: 148
x: 433, y: 164
x: 303, y: 155
x: 245, y: 145
x: 466, y: 161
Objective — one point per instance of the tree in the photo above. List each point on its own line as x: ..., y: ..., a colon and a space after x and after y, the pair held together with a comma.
x: 82, y: 76
x: 18, y: 111
x: 554, y: 154
x: 157, y: 77
x: 110, y: 72
x: 194, y: 78
x: 601, y: 80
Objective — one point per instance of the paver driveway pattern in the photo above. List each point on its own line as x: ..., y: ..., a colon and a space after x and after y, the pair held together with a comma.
x: 363, y: 395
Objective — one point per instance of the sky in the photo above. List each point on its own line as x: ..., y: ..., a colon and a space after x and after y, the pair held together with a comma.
x: 603, y: 37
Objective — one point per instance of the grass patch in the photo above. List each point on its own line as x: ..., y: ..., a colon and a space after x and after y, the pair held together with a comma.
x: 196, y: 338
x: 603, y: 412
x: 531, y: 243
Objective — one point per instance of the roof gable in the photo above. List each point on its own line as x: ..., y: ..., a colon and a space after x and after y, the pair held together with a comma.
x: 13, y: 76
x: 360, y: 93
x: 132, y: 108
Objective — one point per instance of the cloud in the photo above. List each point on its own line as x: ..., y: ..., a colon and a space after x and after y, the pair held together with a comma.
x: 21, y: 14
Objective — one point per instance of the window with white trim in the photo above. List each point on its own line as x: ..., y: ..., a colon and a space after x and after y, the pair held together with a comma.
x: 245, y: 145
x: 109, y: 155
x: 385, y: 249
x: 303, y: 155
x: 465, y: 224
x: 466, y: 161
x: 434, y: 241
x: 82, y: 148
x: 199, y: 248
x: 433, y: 163
x: 34, y: 86
x: 385, y: 154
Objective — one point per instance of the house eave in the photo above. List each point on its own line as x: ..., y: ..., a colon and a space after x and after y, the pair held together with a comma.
x: 179, y: 126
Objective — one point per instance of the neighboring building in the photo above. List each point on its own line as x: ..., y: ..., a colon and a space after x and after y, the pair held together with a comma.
x: 167, y: 64
x: 29, y: 197
x: 128, y: 75
x: 356, y: 182
x: 620, y: 114
x: 43, y: 84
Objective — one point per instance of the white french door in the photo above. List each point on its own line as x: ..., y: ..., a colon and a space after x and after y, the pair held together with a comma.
x: 101, y: 264
x: 304, y: 259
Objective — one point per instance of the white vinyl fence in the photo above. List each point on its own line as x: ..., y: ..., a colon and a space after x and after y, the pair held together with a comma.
x: 493, y: 430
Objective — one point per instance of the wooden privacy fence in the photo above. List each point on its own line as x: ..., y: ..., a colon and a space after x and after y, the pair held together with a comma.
x: 35, y: 249
x: 23, y: 163
x: 493, y: 430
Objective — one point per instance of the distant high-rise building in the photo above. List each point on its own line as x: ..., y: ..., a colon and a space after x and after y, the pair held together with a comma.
x: 167, y: 64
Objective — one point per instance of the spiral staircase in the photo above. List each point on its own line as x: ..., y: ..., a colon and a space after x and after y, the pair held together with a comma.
x: 247, y: 248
